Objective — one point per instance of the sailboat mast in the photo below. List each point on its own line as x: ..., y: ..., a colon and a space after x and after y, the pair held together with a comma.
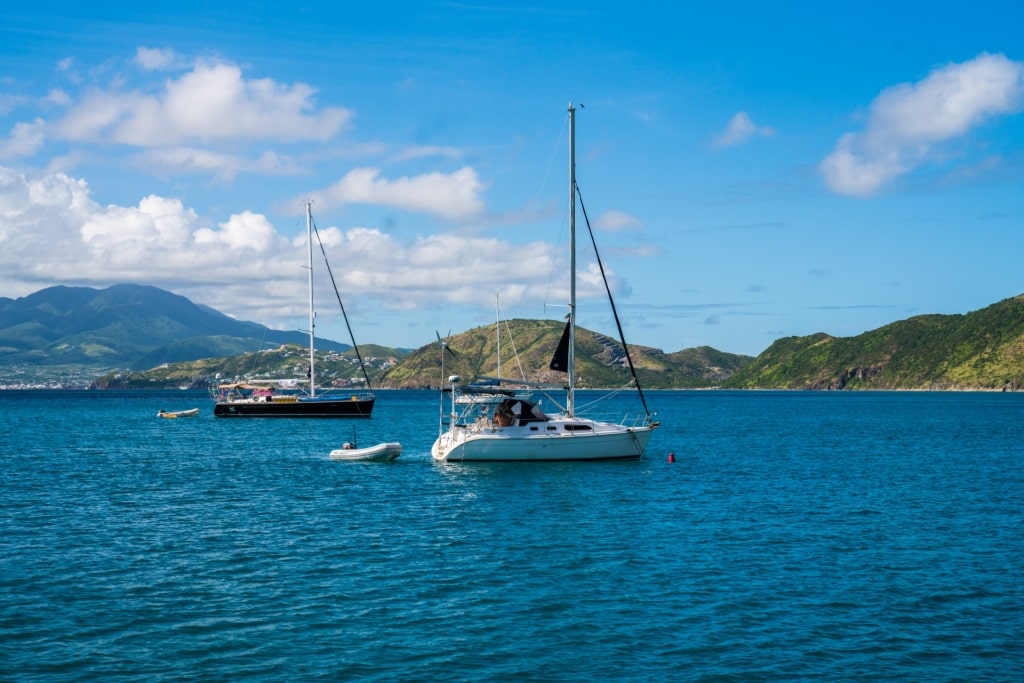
x: 497, y: 327
x: 312, y: 315
x: 570, y: 395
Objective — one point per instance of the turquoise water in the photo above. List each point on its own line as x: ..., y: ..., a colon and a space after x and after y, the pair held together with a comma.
x: 797, y: 536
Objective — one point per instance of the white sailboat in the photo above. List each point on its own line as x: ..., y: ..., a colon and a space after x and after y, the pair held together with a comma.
x: 511, y: 427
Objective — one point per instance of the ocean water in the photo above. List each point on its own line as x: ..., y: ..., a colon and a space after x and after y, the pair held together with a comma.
x: 797, y: 536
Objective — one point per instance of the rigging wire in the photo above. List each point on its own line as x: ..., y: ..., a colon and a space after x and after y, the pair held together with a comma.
x: 515, y: 352
x: 355, y: 346
x: 611, y: 300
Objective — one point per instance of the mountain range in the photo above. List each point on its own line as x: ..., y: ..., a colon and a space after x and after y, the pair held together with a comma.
x: 155, y: 338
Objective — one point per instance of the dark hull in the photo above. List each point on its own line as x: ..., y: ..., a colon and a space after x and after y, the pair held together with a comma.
x: 316, y: 407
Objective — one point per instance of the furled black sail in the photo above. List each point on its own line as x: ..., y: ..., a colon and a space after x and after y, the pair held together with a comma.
x: 560, y: 361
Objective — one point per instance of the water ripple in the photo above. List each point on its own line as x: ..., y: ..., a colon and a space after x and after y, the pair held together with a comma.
x: 797, y: 537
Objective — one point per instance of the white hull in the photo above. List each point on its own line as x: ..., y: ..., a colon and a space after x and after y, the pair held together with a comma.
x: 382, y: 452
x: 603, y: 441
x: 192, y: 412
x: 508, y: 427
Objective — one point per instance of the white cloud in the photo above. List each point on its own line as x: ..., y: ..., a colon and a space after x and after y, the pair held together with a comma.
x: 613, y: 221
x: 125, y: 238
x: 212, y: 103
x: 155, y: 59
x: 38, y: 224
x: 9, y: 101
x: 58, y: 97
x: 426, y: 151
x: 225, y: 166
x: 907, y: 121
x: 740, y: 129
x: 247, y: 231
x: 52, y: 232
x: 66, y: 67
x: 191, y: 160
x: 24, y: 140
x: 414, y: 275
x: 454, y: 196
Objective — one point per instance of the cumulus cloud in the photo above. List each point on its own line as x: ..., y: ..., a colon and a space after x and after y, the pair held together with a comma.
x: 211, y: 103
x: 247, y: 231
x: 204, y: 121
x: 454, y: 196
x: 907, y: 122
x: 38, y: 224
x: 407, y: 276
x: 740, y: 129
x: 53, y: 232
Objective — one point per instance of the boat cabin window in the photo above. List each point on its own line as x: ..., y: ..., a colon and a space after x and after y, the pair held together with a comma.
x: 577, y: 428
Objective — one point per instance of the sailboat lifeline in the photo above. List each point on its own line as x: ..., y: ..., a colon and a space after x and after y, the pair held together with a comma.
x: 511, y: 427
x: 259, y: 398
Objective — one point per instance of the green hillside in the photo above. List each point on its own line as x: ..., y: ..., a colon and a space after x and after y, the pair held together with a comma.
x: 979, y: 350
x: 67, y: 337
x: 526, y: 350
x: 288, y: 361
x: 125, y: 325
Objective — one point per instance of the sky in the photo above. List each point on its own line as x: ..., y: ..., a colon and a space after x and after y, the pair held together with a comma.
x: 750, y: 170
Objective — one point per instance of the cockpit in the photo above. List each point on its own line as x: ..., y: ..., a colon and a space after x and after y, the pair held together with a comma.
x: 517, y: 411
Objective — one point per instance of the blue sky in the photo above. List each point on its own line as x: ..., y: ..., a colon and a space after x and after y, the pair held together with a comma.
x: 752, y: 170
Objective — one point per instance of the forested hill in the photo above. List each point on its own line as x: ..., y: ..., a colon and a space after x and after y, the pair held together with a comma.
x: 982, y: 350
x: 527, y: 347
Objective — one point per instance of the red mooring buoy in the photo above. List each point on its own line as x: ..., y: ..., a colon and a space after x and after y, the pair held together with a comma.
x: 671, y: 457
